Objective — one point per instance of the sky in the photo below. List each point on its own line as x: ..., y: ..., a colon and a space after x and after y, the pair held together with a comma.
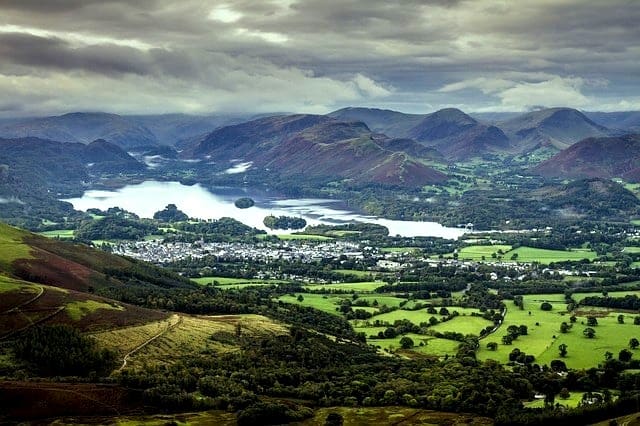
x: 315, y: 56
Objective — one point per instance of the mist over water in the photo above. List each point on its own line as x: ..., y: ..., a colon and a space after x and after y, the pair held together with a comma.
x: 146, y: 198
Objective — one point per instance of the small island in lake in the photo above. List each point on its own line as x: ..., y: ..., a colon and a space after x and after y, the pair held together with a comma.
x: 284, y: 222
x: 244, y: 203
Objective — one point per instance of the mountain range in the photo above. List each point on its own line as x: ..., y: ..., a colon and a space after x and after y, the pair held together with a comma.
x: 358, y: 144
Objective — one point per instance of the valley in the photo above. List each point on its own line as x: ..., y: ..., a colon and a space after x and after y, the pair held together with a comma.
x: 437, y: 268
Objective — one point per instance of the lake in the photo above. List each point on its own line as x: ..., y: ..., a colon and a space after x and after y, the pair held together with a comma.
x: 146, y: 198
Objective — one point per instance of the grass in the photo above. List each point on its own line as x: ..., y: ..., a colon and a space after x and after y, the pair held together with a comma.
x: 303, y: 237
x: 478, y: 252
x: 225, y: 281
x: 367, y: 286
x: 58, y: 233
x: 321, y: 302
x: 572, y: 402
x: 524, y: 254
x: 11, y: 246
x: 356, y: 272
x: 9, y: 284
x: 79, y: 309
x: 540, y: 341
x: 463, y: 324
x: 399, y: 249
x: 578, y: 297
x: 544, y: 256
x: 183, y: 335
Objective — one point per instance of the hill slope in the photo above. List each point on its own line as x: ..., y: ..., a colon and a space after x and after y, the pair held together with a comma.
x: 317, y: 147
x: 458, y: 135
x: 82, y: 127
x: 605, y: 157
x: 554, y: 127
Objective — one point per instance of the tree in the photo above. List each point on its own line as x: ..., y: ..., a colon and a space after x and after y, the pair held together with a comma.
x: 170, y: 214
x: 573, y: 319
x: 390, y: 333
x: 334, y: 419
x: 592, y: 321
x: 564, y: 393
x: 523, y: 330
x: 515, y: 353
x: 563, y: 350
x: 406, y: 342
x: 625, y: 355
x: 589, y: 332
x: 564, y: 327
x: 636, y: 320
x: 634, y: 343
x: 492, y: 346
x: 546, y: 306
x: 507, y: 340
x: 300, y: 298
x: 620, y: 319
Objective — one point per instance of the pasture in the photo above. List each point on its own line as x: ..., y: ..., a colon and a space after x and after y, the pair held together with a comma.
x: 544, y: 336
x: 477, y: 252
x: 522, y: 254
x: 58, y: 233
x: 367, y: 286
x: 225, y: 281
x: 544, y: 256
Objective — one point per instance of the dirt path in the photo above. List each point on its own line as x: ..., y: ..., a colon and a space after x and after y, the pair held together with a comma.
x: 177, y: 319
x: 33, y: 299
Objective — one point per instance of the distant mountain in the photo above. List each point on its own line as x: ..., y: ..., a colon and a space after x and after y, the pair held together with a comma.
x: 392, y: 123
x: 317, y: 146
x: 38, y: 163
x: 605, y: 157
x: 83, y: 128
x: 450, y: 131
x: 627, y: 121
x: 170, y: 129
x: 458, y: 135
x: 554, y: 127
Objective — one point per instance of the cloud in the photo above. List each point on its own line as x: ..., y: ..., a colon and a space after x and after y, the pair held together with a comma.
x: 417, y: 55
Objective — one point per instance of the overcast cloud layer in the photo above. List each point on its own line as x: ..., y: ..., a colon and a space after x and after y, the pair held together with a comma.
x: 156, y: 56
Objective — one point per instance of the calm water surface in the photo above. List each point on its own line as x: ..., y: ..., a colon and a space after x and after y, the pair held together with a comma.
x: 148, y: 197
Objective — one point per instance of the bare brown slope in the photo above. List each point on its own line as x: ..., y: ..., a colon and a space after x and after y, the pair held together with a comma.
x: 605, y: 157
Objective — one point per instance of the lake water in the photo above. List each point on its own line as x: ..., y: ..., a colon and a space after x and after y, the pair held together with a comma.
x: 196, y: 201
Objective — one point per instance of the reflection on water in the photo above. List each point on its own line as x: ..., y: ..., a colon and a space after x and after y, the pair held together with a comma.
x: 148, y: 197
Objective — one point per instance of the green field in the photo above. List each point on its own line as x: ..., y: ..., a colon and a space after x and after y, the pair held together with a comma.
x: 321, y: 302
x: 11, y: 246
x: 631, y: 250
x: 58, y: 233
x: 540, y: 341
x: 367, y: 286
x: 9, y: 284
x: 578, y: 297
x: 356, y: 272
x: 544, y: 256
x: 463, y: 324
x: 478, y: 252
x: 226, y: 281
x: 524, y: 254
x: 77, y: 310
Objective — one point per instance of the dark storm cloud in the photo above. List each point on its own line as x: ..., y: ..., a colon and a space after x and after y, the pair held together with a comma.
x: 316, y: 55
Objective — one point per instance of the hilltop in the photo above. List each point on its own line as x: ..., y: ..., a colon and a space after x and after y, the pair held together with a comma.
x: 318, y: 147
x: 558, y: 128
x: 603, y: 157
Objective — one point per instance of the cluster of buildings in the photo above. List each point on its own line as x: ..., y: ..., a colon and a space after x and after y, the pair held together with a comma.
x: 159, y: 252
